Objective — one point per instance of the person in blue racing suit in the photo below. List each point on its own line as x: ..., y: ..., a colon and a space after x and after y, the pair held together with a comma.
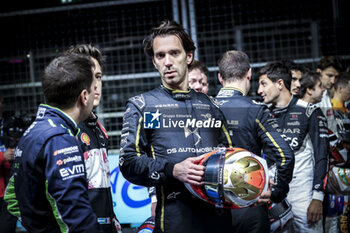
x: 48, y: 189
x: 166, y: 130
x: 252, y: 129
x: 305, y: 128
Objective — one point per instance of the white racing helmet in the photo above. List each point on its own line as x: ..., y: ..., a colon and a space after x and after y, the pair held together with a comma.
x: 233, y: 178
x: 338, y: 181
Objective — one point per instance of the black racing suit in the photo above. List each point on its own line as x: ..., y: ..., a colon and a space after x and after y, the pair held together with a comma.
x: 305, y: 128
x: 253, y: 129
x: 93, y: 139
x: 164, y: 127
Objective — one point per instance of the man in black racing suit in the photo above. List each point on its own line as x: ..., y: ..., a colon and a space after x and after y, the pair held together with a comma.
x: 93, y: 139
x: 305, y: 128
x: 253, y: 129
x: 166, y: 130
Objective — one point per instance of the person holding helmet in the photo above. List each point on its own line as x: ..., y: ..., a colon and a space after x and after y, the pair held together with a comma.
x: 165, y: 133
x: 252, y: 129
x: 305, y: 128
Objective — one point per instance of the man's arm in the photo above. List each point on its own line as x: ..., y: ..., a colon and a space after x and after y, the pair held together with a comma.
x: 66, y: 185
x: 318, y: 132
x: 277, y: 151
x: 137, y: 162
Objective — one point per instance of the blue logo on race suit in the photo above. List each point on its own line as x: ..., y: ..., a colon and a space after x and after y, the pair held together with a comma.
x: 152, y: 120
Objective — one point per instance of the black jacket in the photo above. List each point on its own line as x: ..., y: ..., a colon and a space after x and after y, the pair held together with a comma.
x: 253, y: 129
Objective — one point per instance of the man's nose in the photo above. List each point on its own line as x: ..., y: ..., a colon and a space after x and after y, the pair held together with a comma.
x: 168, y: 60
x: 197, y: 87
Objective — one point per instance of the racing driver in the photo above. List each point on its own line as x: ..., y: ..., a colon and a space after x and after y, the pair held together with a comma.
x: 305, y: 128
x: 166, y: 130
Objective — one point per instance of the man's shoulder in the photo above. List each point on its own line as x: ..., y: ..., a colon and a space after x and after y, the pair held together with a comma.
x: 144, y: 98
x: 306, y: 107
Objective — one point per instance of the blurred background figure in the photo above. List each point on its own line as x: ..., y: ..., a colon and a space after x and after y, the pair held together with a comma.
x: 197, y: 76
x: 11, y: 130
x: 329, y: 67
x: 311, y: 89
x: 341, y: 92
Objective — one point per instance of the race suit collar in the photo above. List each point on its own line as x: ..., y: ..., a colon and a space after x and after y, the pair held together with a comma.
x: 50, y: 110
x: 177, y: 94
x: 278, y: 110
x: 231, y: 91
x: 91, y: 121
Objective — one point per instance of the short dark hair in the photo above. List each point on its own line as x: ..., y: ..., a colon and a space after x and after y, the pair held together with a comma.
x: 65, y: 78
x: 308, y: 80
x: 233, y: 65
x: 342, y: 80
x: 87, y: 49
x: 330, y: 61
x: 295, y: 66
x: 198, y: 65
x: 277, y: 70
x: 166, y: 28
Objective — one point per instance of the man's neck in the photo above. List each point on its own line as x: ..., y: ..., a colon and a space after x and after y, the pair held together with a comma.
x: 240, y: 85
x: 283, y: 99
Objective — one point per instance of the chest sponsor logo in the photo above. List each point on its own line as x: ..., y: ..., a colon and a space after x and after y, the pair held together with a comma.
x: 329, y: 112
x: 71, y: 172
x: 76, y: 158
x: 85, y: 139
x: 66, y: 151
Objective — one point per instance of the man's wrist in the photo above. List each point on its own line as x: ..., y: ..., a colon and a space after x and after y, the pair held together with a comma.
x: 168, y: 169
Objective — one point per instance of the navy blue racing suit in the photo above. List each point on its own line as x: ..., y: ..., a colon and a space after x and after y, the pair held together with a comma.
x: 305, y: 128
x: 253, y: 129
x: 164, y: 127
x: 48, y: 189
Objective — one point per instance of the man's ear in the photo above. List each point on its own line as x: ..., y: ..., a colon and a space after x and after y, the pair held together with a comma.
x: 249, y: 74
x: 318, y: 70
x: 189, y: 57
x: 83, y: 97
x: 280, y: 84
x: 155, y: 66
x: 220, y: 79
x: 308, y: 91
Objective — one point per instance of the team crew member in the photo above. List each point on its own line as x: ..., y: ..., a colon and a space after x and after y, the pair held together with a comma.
x: 48, y: 190
x: 94, y: 141
x: 169, y: 128
x: 305, y: 128
x: 252, y: 128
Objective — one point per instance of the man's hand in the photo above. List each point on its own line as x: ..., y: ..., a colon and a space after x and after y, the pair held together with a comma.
x: 9, y: 154
x: 189, y: 172
x: 265, y: 196
x: 315, y: 211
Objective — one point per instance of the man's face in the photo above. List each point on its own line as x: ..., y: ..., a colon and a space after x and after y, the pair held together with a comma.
x: 195, y: 80
x: 171, y: 61
x: 317, y: 93
x: 295, y: 85
x: 328, y: 77
x: 90, y: 97
x: 268, y: 90
x: 205, y: 84
x: 98, y: 76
